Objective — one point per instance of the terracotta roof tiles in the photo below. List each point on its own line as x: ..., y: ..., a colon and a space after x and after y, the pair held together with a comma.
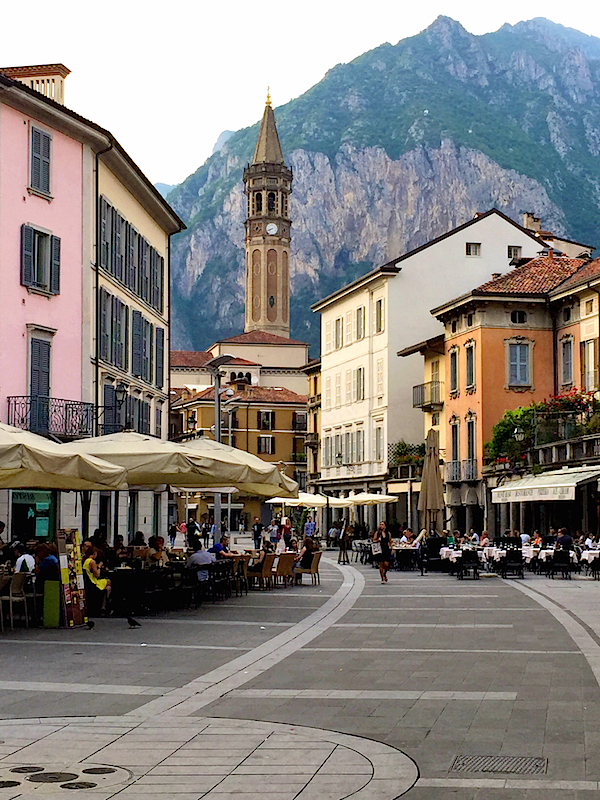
x: 538, y: 276
x: 257, y: 394
x: 198, y: 358
x: 260, y: 337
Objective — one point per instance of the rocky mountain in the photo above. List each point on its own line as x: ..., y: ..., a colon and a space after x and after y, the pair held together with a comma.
x: 164, y: 188
x: 393, y: 149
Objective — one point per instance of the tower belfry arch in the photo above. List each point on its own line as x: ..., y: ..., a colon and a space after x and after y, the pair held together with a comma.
x: 267, y: 185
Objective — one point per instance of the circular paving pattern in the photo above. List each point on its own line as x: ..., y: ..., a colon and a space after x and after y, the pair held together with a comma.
x: 212, y: 757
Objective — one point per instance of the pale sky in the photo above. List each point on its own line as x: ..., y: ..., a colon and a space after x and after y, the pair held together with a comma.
x: 167, y: 78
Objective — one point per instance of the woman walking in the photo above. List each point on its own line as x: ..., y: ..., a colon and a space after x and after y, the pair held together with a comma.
x: 384, y: 557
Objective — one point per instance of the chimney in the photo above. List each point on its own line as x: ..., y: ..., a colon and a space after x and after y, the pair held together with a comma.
x: 496, y: 275
x: 550, y: 254
x: 530, y: 222
x: 47, y: 79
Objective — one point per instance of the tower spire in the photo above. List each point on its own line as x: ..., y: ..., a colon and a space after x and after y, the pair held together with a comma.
x: 268, y: 148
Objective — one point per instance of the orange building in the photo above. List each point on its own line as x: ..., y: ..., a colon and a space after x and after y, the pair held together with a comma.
x: 500, y: 354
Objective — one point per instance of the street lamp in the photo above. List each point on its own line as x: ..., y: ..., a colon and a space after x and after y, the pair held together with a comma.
x: 519, y: 434
x: 214, y: 367
x: 191, y: 422
x: 120, y: 398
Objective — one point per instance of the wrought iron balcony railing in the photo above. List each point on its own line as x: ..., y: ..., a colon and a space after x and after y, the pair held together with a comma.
x: 469, y: 469
x: 298, y: 458
x: 453, y: 471
x: 67, y: 419
x: 428, y: 395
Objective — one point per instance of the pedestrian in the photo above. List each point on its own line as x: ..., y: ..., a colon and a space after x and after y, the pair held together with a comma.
x: 344, y: 542
x: 191, y: 532
x: 172, y: 534
x: 257, y: 530
x: 333, y: 534
x: 286, y: 530
x: 309, y: 528
x: 205, y: 533
x: 382, y: 550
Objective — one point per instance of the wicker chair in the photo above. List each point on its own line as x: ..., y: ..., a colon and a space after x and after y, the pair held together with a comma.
x: 285, y: 569
x: 313, y: 570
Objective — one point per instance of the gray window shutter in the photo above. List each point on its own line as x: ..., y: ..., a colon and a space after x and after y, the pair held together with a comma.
x: 143, y: 267
x: 117, y: 245
x: 160, y: 356
x: 136, y: 343
x: 40, y: 368
x: 150, y: 375
x: 55, y: 264
x: 109, y: 416
x: 26, y: 255
x: 161, y: 284
x: 153, y: 280
x: 40, y: 160
x: 105, y: 218
x: 105, y: 308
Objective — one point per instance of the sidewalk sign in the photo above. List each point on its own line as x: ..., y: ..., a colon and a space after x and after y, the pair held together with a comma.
x: 71, y: 577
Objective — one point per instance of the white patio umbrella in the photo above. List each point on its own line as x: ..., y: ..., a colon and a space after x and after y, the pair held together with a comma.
x: 29, y: 461
x: 150, y: 462
x: 304, y: 499
x: 371, y: 499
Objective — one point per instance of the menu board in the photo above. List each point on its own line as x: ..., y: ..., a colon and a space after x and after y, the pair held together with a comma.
x: 71, y: 576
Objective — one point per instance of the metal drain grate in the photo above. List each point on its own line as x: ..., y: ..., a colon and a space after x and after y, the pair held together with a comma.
x: 514, y: 764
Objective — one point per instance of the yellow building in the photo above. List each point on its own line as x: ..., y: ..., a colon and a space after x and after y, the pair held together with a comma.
x: 313, y: 424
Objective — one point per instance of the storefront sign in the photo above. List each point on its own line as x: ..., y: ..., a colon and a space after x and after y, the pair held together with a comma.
x: 533, y: 493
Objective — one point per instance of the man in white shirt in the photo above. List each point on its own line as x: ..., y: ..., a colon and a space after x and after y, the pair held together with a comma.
x: 589, y: 542
x: 25, y: 562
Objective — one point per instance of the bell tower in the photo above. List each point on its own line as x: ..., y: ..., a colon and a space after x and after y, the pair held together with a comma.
x: 268, y: 184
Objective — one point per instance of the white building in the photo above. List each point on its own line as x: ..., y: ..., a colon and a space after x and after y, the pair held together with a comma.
x: 366, y: 390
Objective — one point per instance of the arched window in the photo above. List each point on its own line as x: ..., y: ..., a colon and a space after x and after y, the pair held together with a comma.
x: 232, y: 377
x: 240, y: 376
x: 258, y: 201
x: 249, y: 377
x: 271, y: 201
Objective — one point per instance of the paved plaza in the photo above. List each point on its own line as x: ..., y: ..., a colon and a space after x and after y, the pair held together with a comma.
x: 426, y: 687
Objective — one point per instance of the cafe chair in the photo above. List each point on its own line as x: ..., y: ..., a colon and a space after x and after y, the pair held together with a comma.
x: 313, y: 570
x: 16, y: 594
x: 513, y: 563
x: 284, y: 569
x: 561, y: 562
x: 468, y: 561
x: 594, y: 569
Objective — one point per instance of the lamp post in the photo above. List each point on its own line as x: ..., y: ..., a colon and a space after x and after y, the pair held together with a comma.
x: 214, y: 367
x: 120, y: 397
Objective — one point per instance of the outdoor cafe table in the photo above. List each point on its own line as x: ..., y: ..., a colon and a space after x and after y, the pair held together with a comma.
x: 544, y: 555
x: 590, y: 555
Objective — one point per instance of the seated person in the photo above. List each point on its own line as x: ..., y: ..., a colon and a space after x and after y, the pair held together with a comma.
x: 138, y: 539
x: 221, y: 549
x: 200, y: 558
x: 121, y: 552
x: 473, y: 537
x: 564, y: 541
x: 407, y: 537
x: 47, y: 567
x: 157, y: 555
x: 485, y: 539
x: 450, y: 540
x: 537, y: 540
x: 25, y: 562
x: 91, y: 567
x: 304, y: 558
x: 293, y: 545
x: 589, y: 542
x: 257, y: 565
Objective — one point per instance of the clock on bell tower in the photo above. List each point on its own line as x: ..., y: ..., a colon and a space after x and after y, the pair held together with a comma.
x: 267, y: 185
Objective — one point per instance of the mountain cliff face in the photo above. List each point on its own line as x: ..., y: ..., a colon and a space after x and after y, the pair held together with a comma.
x: 392, y: 150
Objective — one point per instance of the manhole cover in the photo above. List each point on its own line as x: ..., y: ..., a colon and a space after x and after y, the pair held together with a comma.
x: 519, y: 765
x: 8, y: 784
x: 98, y: 771
x: 79, y: 785
x: 52, y: 777
x: 25, y: 770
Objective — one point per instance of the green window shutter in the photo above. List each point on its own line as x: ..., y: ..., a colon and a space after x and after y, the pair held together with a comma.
x: 26, y: 255
x: 105, y: 218
x: 55, y: 264
x: 105, y: 299
x: 160, y: 356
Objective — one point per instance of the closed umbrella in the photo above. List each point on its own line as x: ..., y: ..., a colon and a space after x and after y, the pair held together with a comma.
x: 29, y: 461
x: 431, y: 497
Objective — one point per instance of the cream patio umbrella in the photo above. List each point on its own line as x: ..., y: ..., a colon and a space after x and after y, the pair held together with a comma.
x: 431, y: 497
x: 29, y: 461
x: 150, y: 462
x: 371, y: 499
x: 304, y: 499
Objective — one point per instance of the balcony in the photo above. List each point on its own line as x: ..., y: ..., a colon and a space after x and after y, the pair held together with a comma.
x: 311, y: 440
x: 314, y: 400
x: 469, y: 469
x: 298, y: 458
x: 453, y: 472
x: 429, y: 396
x: 65, y: 419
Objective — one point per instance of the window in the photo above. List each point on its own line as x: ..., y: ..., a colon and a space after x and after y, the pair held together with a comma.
x: 453, y: 371
x: 518, y: 317
x: 470, y: 365
x: 266, y: 421
x: 567, y: 361
x: 327, y: 392
x: 41, y: 149
x: 258, y: 202
x: 473, y: 248
x: 454, y: 326
x: 589, y: 306
x: 378, y: 443
x: 271, y: 201
x: 469, y: 320
x: 158, y: 421
x: 338, y: 389
x: 518, y: 365
x: 266, y: 445
x: 359, y: 383
x: 299, y: 421
x: 566, y: 314
x: 328, y: 337
x: 435, y: 418
x: 380, y: 377
x: 339, y: 333
x: 326, y: 453
x: 379, y: 316
x: 435, y: 370
x: 114, y: 331
x: 337, y: 447
x: 514, y: 252
x: 360, y: 445
x: 348, y: 327
x: 347, y: 449
x: 348, y: 385
x: 360, y: 322
x: 589, y: 365
x: 40, y: 260
x: 455, y: 441
x: 471, y: 444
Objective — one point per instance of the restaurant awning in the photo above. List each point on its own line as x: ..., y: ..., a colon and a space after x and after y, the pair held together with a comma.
x: 559, y: 485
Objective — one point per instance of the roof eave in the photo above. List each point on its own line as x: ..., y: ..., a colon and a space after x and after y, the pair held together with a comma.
x: 385, y: 271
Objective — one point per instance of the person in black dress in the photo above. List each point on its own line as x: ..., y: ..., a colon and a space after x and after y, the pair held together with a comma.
x: 384, y: 558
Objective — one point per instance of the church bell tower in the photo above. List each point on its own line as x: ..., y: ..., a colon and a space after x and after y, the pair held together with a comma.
x: 268, y: 184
